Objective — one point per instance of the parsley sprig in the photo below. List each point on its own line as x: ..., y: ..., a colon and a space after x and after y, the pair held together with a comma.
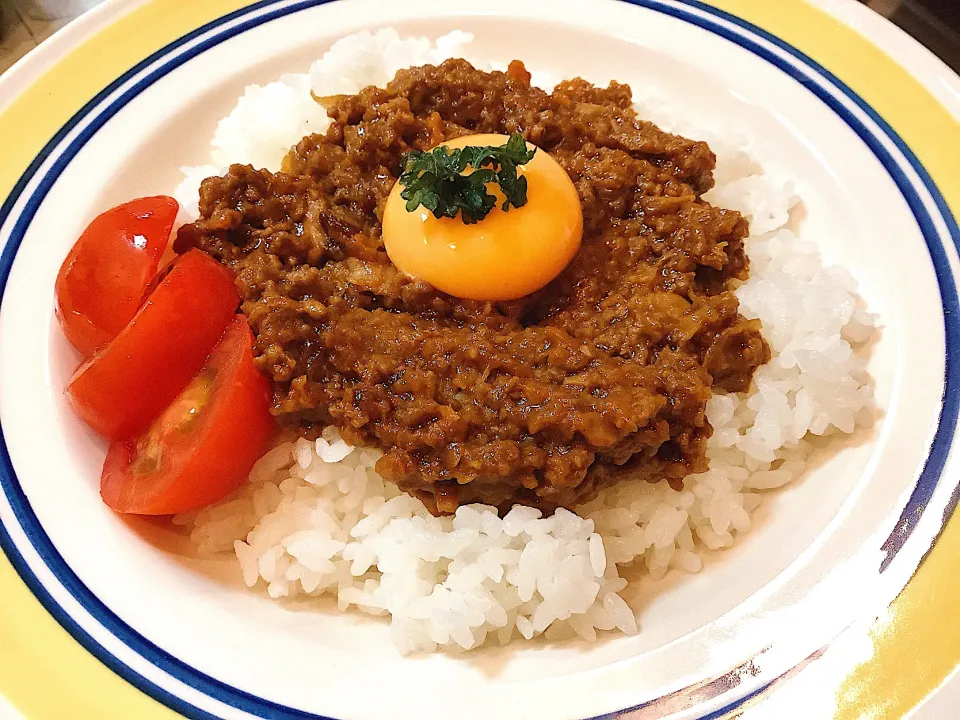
x: 436, y: 179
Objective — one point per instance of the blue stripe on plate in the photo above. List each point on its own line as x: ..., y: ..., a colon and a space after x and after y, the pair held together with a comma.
x: 259, y: 14
x: 940, y: 449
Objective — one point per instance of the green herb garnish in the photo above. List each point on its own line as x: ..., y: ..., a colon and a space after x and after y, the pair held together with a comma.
x: 436, y: 179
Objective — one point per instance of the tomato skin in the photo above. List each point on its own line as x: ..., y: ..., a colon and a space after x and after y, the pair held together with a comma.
x: 210, y: 459
x: 127, y: 384
x: 101, y: 283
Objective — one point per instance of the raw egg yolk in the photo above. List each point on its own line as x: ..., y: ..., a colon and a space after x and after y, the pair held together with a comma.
x: 508, y: 254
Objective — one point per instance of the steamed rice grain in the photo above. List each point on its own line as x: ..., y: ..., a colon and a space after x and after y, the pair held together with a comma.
x: 316, y: 519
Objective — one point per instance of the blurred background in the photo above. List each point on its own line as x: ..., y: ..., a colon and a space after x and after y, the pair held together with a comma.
x: 26, y: 23
x: 935, y: 23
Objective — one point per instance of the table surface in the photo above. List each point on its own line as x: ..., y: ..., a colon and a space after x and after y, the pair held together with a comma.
x: 24, y: 24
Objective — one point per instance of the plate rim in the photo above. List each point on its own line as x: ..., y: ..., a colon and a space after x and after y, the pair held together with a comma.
x: 881, y: 123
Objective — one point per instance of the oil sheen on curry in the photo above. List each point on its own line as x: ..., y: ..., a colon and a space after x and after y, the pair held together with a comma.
x: 558, y: 328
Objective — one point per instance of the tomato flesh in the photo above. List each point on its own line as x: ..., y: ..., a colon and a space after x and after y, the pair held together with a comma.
x: 102, y: 282
x: 203, y: 445
x: 128, y: 383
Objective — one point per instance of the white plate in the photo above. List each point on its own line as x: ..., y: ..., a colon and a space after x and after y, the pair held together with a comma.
x: 846, y: 537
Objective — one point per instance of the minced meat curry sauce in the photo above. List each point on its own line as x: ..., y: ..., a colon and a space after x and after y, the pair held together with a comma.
x: 604, y: 374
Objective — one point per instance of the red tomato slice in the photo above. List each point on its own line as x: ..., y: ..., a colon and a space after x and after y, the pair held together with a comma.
x: 125, y: 386
x: 203, y: 445
x: 102, y: 282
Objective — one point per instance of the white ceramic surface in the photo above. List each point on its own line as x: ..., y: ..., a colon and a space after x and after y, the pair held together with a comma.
x: 797, y: 579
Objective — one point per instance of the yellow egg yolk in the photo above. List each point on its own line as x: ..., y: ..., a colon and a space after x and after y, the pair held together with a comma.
x: 508, y: 254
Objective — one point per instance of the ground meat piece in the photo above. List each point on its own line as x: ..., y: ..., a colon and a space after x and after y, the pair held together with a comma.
x: 602, y: 375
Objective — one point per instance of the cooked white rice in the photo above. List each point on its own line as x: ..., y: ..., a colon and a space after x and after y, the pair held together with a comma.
x: 316, y: 519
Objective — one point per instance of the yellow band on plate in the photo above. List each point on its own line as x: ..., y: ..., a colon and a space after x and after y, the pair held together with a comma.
x: 46, y: 674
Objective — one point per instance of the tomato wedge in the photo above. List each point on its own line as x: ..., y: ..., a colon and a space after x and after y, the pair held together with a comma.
x: 203, y: 445
x: 102, y: 282
x: 125, y: 386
